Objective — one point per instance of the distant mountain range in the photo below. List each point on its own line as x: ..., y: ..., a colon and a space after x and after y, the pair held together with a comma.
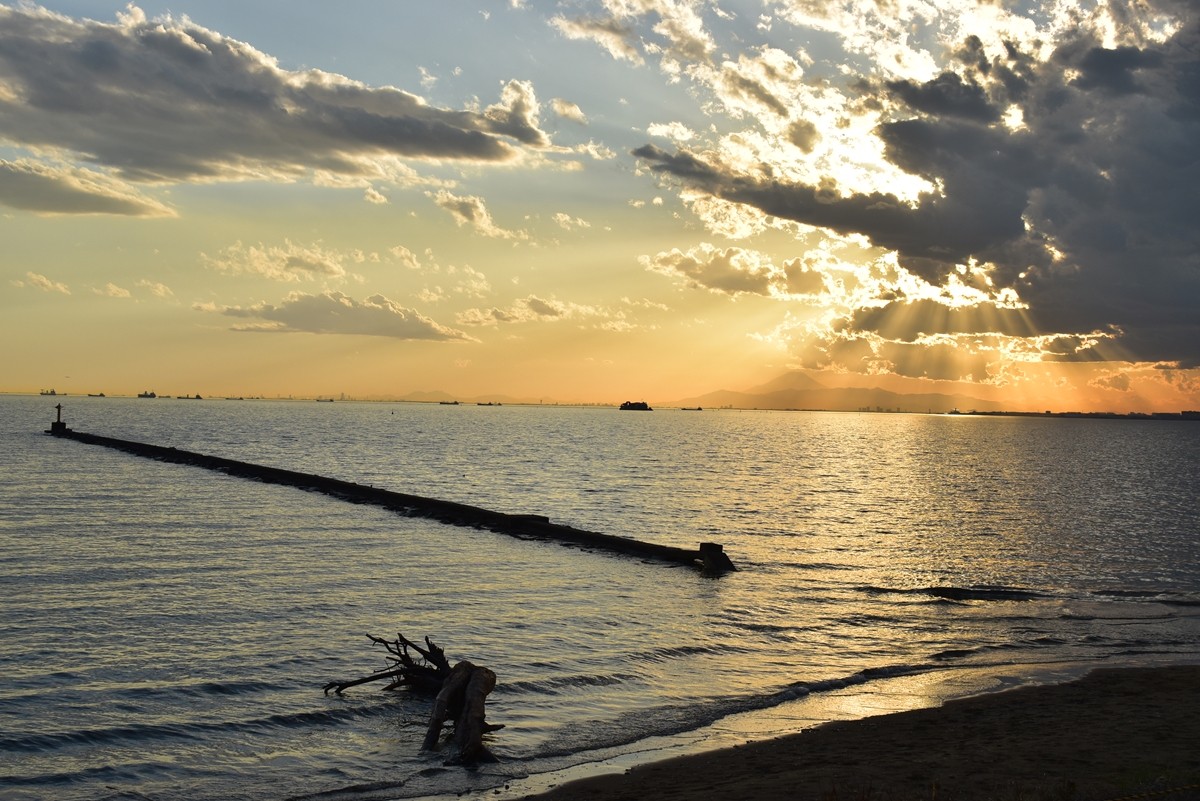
x: 792, y: 390
x: 796, y: 390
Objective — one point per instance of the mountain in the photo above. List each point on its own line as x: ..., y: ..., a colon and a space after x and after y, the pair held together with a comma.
x: 791, y: 380
x: 795, y: 390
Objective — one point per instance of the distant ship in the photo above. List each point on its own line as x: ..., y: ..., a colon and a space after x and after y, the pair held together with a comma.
x: 635, y: 406
x: 47, y: 392
x: 448, y: 403
x: 147, y: 395
x: 189, y: 397
x: 97, y: 395
x: 324, y: 400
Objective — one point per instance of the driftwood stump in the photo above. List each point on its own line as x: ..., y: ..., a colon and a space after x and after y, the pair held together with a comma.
x: 462, y: 699
x: 461, y: 693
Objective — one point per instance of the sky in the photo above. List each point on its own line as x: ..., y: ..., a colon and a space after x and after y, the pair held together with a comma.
x: 601, y: 200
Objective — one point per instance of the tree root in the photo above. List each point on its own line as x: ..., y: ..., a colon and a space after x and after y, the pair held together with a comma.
x: 461, y: 693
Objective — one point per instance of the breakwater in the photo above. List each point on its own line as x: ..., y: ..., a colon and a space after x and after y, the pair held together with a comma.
x: 709, y: 557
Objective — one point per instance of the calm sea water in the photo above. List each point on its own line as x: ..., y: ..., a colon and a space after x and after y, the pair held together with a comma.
x: 165, y: 631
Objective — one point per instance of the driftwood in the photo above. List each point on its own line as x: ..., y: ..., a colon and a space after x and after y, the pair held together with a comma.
x: 462, y: 699
x: 461, y: 692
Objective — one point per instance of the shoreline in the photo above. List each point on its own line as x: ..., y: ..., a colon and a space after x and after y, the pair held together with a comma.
x: 1112, y: 733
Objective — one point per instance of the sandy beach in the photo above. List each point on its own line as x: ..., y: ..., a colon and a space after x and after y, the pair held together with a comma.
x: 1113, y: 734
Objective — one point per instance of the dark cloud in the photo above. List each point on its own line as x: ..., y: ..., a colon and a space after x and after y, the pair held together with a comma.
x: 336, y: 313
x: 1114, y: 70
x: 804, y: 135
x: 1088, y: 210
x: 946, y: 95
x: 743, y: 86
x: 167, y: 100
x: 938, y: 232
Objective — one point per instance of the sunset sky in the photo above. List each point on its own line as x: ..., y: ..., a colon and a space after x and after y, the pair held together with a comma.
x: 595, y: 200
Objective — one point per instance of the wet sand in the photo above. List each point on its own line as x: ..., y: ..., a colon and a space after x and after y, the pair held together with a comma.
x: 1112, y: 734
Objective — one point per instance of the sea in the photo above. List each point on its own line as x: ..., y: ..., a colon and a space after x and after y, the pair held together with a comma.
x: 166, y: 631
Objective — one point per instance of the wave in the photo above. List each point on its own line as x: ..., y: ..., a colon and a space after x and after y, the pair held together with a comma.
x: 668, y: 719
x: 991, y: 592
x: 201, y: 689
x: 1167, y: 597
x: 152, y: 732
x: 669, y: 653
x: 556, y: 685
x: 975, y: 592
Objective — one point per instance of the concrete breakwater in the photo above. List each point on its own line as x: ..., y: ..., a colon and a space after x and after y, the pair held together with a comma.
x: 709, y: 557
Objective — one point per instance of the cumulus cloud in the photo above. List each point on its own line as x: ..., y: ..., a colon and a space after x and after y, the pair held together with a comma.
x: 469, y: 282
x: 287, y: 262
x: 39, y: 281
x: 336, y: 313
x: 405, y: 257
x: 166, y: 100
x: 678, y: 32
x: 569, y: 223
x: 732, y: 271
x: 470, y: 210
x: 618, y: 38
x: 111, y: 290
x: 516, y: 114
x: 156, y: 288
x: 531, y: 309
x: 568, y: 110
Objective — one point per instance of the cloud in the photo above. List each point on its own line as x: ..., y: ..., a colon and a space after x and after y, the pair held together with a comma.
x: 111, y: 290
x: 569, y: 223
x: 618, y: 38
x: 733, y: 271
x: 680, y: 32
x: 675, y: 131
x: 516, y: 114
x: 287, y: 262
x: 166, y: 101
x: 469, y: 282
x: 39, y: 281
x: 568, y: 110
x: 336, y: 313
x: 1085, y: 212
x: 405, y: 257
x: 59, y: 189
x: 760, y: 82
x: 155, y: 288
x: 532, y: 309
x: 470, y: 210
x: 596, y: 151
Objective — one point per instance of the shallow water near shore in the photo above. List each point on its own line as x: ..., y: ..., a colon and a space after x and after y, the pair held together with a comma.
x: 167, y: 630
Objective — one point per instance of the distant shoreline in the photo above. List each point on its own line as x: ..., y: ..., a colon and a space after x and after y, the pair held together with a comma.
x: 1187, y: 415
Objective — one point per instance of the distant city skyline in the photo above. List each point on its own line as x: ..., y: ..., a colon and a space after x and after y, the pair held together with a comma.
x: 603, y: 200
